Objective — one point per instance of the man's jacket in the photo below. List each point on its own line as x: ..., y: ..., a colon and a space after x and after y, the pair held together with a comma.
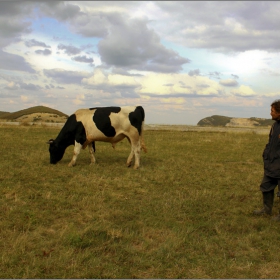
x: 271, y: 153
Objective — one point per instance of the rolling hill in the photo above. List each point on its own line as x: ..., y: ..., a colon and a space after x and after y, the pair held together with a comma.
x: 217, y: 120
x: 34, y: 114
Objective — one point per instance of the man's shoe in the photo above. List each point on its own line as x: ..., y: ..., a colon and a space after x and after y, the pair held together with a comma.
x: 268, y: 198
x: 264, y: 211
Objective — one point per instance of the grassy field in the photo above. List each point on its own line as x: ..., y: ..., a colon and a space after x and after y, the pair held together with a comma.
x: 186, y: 213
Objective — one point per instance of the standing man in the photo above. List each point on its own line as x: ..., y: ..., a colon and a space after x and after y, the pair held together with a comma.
x: 271, y: 159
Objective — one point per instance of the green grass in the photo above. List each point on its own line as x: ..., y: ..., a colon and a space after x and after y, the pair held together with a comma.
x: 186, y: 213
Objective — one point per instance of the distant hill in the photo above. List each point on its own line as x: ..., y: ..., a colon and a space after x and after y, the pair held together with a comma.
x: 217, y: 120
x: 32, y: 111
x: 4, y: 114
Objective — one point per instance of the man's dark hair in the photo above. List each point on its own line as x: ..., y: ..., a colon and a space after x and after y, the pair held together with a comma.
x: 276, y: 105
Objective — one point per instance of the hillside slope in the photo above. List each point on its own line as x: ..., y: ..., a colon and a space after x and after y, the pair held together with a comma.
x: 217, y: 120
x: 4, y: 114
x: 31, y: 111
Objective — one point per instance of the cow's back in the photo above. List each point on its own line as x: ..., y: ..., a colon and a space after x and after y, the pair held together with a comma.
x: 104, y: 123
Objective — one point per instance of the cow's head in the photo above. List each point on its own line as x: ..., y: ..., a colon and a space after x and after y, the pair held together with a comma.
x: 56, y: 153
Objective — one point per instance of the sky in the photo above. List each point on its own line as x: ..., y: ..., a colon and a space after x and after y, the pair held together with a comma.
x: 181, y: 60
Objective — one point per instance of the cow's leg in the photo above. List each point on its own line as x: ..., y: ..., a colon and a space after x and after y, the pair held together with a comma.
x: 135, y: 151
x: 130, y: 157
x: 77, y: 150
x: 91, y: 152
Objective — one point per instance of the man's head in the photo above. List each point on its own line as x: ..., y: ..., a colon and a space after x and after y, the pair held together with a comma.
x: 275, y: 110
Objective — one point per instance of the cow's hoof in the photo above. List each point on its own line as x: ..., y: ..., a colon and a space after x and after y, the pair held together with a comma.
x: 71, y: 164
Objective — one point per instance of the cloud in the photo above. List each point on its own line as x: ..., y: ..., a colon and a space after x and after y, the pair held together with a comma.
x: 51, y: 86
x: 235, y: 76
x: 14, y: 62
x: 24, y: 98
x: 83, y: 58
x: 35, y: 43
x: 13, y: 23
x: 131, y: 44
x: 12, y: 86
x: 215, y: 74
x: 155, y: 85
x: 30, y: 87
x: 100, y: 79
x: 60, y: 10
x: 22, y: 86
x: 194, y: 72
x: 94, y: 24
x: 64, y: 76
x: 45, y: 52
x: 244, y: 91
x: 229, y: 83
x: 112, y: 84
x: 222, y: 26
x: 270, y: 72
x: 69, y: 50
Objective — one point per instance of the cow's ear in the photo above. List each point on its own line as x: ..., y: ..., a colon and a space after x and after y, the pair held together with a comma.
x: 51, y: 141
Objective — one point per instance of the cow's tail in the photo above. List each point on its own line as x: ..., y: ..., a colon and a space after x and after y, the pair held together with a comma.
x: 143, y: 146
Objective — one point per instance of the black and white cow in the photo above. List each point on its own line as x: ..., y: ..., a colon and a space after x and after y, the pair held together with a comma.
x: 107, y: 124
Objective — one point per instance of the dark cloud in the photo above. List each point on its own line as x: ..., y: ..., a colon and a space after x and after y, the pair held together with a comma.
x: 235, y: 76
x: 194, y: 72
x: 203, y: 86
x: 30, y: 87
x: 13, y: 23
x: 35, y: 43
x: 228, y: 83
x: 13, y: 27
x: 183, y: 85
x: 83, y: 59
x: 215, y: 74
x: 91, y: 25
x: 70, y: 50
x: 45, y: 52
x: 8, y: 95
x: 227, y: 26
x: 15, y: 8
x: 23, y: 86
x: 51, y: 86
x: 130, y: 44
x: 65, y: 77
x: 60, y: 10
x: 14, y: 62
